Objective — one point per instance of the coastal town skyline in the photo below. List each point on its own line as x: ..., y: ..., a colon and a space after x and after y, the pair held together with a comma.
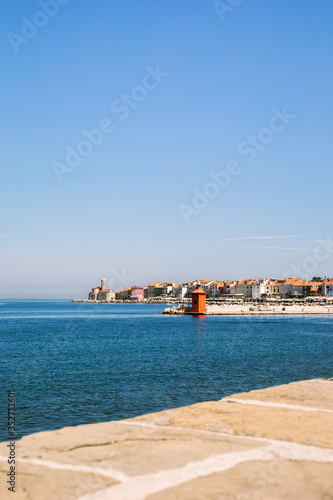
x: 244, y: 289
x: 144, y: 142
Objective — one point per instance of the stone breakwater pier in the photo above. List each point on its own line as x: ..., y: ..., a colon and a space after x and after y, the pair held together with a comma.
x: 274, y: 443
x: 253, y: 309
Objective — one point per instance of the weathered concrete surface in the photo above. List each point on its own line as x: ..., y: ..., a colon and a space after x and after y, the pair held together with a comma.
x: 274, y: 443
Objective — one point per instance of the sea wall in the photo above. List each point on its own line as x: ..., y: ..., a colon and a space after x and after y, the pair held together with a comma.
x: 251, y: 309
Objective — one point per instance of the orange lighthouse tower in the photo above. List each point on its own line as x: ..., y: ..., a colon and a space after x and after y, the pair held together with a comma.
x: 198, y: 301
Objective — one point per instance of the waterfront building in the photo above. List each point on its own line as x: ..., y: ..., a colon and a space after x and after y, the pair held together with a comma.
x: 137, y: 293
x: 302, y: 287
x: 181, y: 291
x: 327, y: 288
x: 126, y: 293
x: 297, y: 286
x: 168, y: 288
x: 219, y: 286
x: 214, y: 288
x: 277, y: 288
x: 158, y: 291
x: 123, y: 294
x: 101, y: 293
x: 232, y: 288
x: 206, y: 285
x: 228, y: 285
x: 107, y: 295
x: 93, y: 294
x: 244, y: 289
x: 192, y: 285
x: 151, y: 289
x: 289, y: 283
x: 273, y: 288
x: 258, y: 289
x: 316, y: 289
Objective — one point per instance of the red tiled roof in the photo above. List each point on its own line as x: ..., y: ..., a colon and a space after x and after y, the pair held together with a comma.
x: 303, y: 283
x: 199, y: 290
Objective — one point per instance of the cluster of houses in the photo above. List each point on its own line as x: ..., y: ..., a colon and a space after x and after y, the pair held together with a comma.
x: 245, y: 289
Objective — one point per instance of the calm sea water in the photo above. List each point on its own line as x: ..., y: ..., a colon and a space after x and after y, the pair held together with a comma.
x: 74, y: 363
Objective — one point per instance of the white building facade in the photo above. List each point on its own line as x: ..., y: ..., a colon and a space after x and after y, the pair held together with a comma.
x: 258, y: 289
x: 327, y: 288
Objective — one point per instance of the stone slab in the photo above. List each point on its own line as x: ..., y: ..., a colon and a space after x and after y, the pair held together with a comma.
x: 273, y: 443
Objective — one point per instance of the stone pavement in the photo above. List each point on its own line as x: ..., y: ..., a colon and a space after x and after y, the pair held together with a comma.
x: 274, y: 443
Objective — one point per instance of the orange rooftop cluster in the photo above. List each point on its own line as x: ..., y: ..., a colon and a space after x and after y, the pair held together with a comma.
x: 255, y: 289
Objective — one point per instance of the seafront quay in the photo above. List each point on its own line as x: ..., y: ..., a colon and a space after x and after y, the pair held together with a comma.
x: 269, y: 444
x: 248, y: 309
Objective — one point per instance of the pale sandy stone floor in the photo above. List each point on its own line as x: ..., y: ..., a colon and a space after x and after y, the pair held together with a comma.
x: 274, y: 443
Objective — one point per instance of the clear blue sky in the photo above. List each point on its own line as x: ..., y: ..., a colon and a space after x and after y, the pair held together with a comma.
x: 117, y: 214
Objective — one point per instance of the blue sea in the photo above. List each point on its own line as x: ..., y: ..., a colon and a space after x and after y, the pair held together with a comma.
x: 74, y: 363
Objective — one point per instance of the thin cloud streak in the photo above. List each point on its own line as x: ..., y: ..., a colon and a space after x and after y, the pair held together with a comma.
x: 268, y: 237
x: 277, y: 248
